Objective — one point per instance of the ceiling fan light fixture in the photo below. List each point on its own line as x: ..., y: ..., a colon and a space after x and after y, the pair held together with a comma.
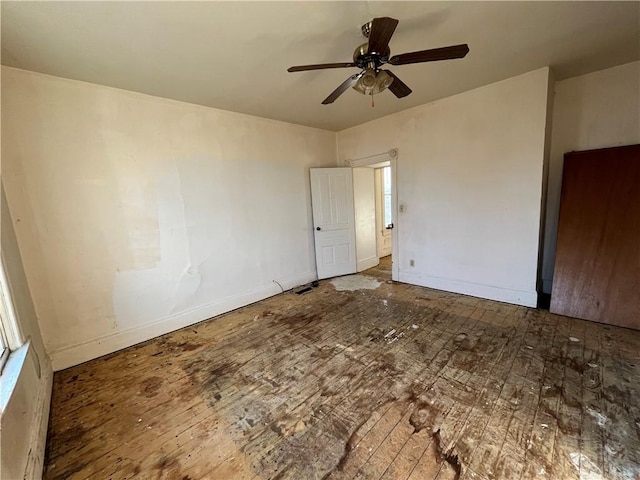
x: 368, y: 80
x: 383, y: 80
x: 372, y: 82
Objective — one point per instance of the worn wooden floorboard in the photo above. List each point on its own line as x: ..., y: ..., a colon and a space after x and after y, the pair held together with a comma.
x: 396, y: 382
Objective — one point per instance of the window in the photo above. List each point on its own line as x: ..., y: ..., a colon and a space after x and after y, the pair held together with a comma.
x: 10, y: 335
x: 386, y: 193
x: 4, y: 346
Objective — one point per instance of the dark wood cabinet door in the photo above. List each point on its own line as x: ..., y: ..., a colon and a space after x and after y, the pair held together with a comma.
x: 597, y: 269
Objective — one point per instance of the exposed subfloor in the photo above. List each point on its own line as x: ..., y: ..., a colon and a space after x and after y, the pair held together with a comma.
x: 393, y: 382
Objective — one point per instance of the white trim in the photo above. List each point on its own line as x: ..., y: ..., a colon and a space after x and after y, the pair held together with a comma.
x: 501, y: 294
x: 69, y: 355
x: 4, y: 346
x: 395, y: 233
x: 35, y: 461
x: 40, y: 421
x: 372, y: 159
x: 367, y: 263
x: 18, y: 361
x: 14, y: 335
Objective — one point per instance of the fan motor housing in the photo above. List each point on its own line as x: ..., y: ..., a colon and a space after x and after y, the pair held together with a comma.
x: 363, y: 58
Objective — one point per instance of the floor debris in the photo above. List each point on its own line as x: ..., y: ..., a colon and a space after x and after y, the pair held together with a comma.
x: 351, y: 283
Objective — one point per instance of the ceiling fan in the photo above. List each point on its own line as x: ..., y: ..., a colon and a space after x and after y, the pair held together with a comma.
x: 370, y: 57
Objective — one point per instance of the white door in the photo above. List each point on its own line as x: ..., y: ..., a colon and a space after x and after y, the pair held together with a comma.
x: 333, y: 221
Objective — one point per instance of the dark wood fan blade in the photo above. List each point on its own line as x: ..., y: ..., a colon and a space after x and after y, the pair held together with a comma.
x: 320, y: 66
x: 433, y: 55
x: 344, y: 86
x: 381, y: 31
x: 398, y: 87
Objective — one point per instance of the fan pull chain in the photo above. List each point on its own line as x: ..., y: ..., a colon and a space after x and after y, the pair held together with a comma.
x: 373, y: 104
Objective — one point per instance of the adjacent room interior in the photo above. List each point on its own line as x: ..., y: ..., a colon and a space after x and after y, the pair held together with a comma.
x: 224, y: 257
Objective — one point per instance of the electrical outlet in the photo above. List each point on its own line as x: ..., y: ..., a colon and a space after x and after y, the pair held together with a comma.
x: 412, y: 263
x: 402, y: 208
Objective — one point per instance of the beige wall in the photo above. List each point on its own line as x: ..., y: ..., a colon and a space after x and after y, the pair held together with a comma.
x: 470, y: 174
x: 138, y: 215
x: 598, y: 110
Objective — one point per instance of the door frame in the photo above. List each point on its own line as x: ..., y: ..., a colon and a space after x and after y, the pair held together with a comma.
x: 392, y: 157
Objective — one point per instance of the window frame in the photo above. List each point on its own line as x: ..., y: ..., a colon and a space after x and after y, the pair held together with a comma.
x: 4, y: 346
x: 11, y: 337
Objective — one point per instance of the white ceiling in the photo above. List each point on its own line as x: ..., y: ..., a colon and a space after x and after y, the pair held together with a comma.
x: 234, y: 55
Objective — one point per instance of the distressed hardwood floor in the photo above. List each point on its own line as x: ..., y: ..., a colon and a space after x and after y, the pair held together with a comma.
x: 396, y: 382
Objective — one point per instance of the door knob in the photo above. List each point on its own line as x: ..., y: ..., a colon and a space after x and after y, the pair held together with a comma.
x: 318, y: 228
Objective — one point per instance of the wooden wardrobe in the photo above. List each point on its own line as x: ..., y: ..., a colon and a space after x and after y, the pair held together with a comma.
x: 597, y: 269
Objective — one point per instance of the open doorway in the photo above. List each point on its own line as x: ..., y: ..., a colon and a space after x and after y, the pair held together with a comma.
x: 354, y: 228
x: 384, y: 218
x: 375, y: 212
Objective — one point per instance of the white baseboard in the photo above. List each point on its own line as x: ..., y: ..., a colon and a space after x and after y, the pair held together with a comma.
x: 517, y: 297
x: 70, y: 355
x: 35, y: 461
x: 367, y: 263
